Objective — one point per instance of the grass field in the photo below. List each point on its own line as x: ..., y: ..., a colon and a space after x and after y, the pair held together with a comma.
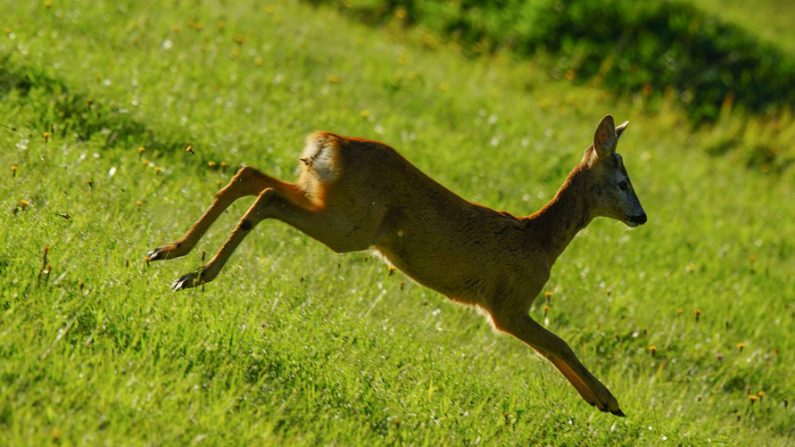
x: 688, y: 319
x: 769, y: 19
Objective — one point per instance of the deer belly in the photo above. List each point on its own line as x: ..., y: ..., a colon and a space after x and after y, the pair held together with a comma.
x: 434, y: 271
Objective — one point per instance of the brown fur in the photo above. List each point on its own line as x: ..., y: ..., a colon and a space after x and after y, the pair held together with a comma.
x: 354, y: 194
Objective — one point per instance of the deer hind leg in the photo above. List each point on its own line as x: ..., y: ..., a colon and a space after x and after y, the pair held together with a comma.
x: 293, y: 209
x: 247, y: 182
x: 560, y: 354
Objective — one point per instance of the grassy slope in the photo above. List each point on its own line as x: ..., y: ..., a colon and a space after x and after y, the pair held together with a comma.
x: 295, y: 343
x: 771, y: 20
x: 658, y: 51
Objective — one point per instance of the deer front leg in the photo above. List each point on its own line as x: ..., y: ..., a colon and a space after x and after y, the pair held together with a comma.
x: 247, y: 182
x: 560, y: 354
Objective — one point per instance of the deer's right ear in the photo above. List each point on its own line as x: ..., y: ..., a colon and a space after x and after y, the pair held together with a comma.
x: 605, y: 138
x: 621, y: 127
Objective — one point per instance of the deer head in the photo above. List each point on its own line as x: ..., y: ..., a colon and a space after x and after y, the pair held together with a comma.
x: 610, y: 190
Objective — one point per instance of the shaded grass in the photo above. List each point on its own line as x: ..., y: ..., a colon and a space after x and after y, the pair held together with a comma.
x: 58, y: 111
x: 661, y: 54
x: 625, y: 46
x: 294, y: 344
x: 770, y: 20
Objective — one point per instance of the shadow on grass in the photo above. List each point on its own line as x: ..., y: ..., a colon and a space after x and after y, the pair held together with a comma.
x: 628, y: 47
x: 58, y: 110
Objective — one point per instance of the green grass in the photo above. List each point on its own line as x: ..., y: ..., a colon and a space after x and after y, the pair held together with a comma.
x: 651, y: 48
x: 296, y: 345
x: 771, y: 20
x: 656, y: 53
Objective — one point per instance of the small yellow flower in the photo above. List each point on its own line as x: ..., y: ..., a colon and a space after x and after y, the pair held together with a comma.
x: 753, y: 398
x: 741, y: 346
x: 698, y: 314
x: 400, y: 13
x: 653, y: 350
x: 211, y: 164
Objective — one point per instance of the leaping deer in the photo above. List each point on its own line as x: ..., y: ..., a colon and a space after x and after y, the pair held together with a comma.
x: 353, y: 194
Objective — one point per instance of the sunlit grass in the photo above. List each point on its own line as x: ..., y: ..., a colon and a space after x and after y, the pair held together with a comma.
x: 294, y: 344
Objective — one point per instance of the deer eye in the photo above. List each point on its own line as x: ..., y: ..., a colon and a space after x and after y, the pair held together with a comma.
x: 622, y: 185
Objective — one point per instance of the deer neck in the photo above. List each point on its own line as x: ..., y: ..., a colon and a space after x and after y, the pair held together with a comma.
x: 556, y: 224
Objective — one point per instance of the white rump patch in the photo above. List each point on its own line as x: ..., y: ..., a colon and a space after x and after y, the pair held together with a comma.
x: 320, y: 157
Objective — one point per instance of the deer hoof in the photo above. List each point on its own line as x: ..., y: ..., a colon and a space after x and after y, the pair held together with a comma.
x: 606, y: 409
x: 157, y: 254
x: 185, y: 281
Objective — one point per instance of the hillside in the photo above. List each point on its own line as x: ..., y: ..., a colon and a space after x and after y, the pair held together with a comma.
x: 687, y: 319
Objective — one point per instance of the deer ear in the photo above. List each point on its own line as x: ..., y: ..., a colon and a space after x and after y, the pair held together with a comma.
x: 605, y: 138
x: 620, y: 128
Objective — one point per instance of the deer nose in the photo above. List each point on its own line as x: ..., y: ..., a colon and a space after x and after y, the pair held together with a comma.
x: 640, y: 219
